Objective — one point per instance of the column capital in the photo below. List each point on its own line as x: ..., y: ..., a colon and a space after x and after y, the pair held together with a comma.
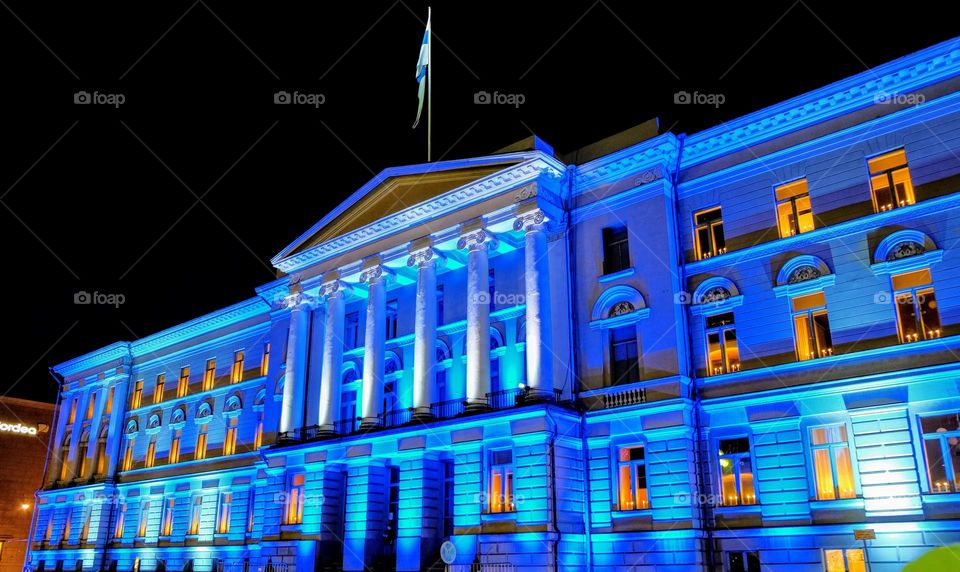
x: 333, y: 288
x: 477, y: 240
x: 423, y: 256
x: 299, y: 300
x: 374, y: 273
x: 532, y: 219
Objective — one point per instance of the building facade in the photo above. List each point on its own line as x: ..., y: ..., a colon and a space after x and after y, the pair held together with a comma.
x: 716, y: 351
x: 24, y: 433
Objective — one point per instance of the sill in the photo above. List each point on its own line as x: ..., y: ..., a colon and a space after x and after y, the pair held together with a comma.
x: 625, y: 273
x: 852, y: 503
x: 497, y: 516
x: 934, y: 498
x: 617, y: 513
x: 739, y: 509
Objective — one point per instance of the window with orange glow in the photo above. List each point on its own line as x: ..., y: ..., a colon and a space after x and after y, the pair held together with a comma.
x: 839, y: 560
x: 831, y: 462
x: 258, y: 436
x: 200, y: 452
x: 195, y: 511
x: 230, y: 437
x: 236, y: 373
x: 183, y: 384
x: 501, y: 481
x: 918, y: 316
x: 723, y: 353
x: 166, y: 522
x: 811, y: 327
x: 890, y: 181
x: 209, y: 374
x: 73, y: 411
x: 121, y: 518
x: 941, y: 445
x: 296, y: 490
x: 174, y: 455
x: 224, y: 512
x: 151, y: 453
x: 128, y: 456
x: 632, y: 478
x: 794, y: 213
x: 265, y: 359
x: 736, y: 472
x: 91, y: 406
x: 144, y: 519
x: 137, y: 395
x: 108, y: 406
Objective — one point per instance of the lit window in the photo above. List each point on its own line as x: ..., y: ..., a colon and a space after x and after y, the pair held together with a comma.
x: 258, y: 436
x: 890, y: 181
x: 708, y: 234
x: 65, y: 536
x: 137, y: 394
x: 265, y: 359
x: 48, y: 532
x: 632, y: 478
x: 100, y: 455
x: 736, y: 472
x: 831, y: 462
x: 91, y: 406
x: 65, y: 457
x: 295, y: 494
x: 82, y: 448
x: 209, y: 374
x: 85, y: 531
x: 251, y: 509
x: 108, y: 406
x: 743, y: 561
x: 224, y: 512
x: 624, y: 360
x: 144, y: 519
x: 128, y: 456
x: 616, y: 249
x: 811, y: 326
x: 166, y: 523
x: 941, y: 443
x: 230, y: 437
x: 501, y: 481
x: 917, y: 315
x: 200, y: 452
x: 236, y: 374
x: 151, y: 453
x: 195, y: 512
x: 794, y: 213
x: 73, y: 411
x: 158, y: 388
x: 723, y: 354
x: 183, y: 384
x: 839, y: 560
x: 174, y: 456
x: 121, y: 518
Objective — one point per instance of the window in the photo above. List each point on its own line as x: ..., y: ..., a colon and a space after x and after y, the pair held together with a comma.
x: 624, y: 360
x: 121, y: 518
x: 265, y: 359
x: 348, y: 405
x: 258, y: 436
x: 391, y: 319
x: 183, y: 384
x: 91, y: 406
x: 236, y: 373
x: 831, y: 462
x: 209, y: 374
x: 137, y: 394
x: 917, y: 315
x: 492, y: 288
x: 495, y: 387
x: 68, y: 518
x: 839, y: 560
x: 128, y: 456
x: 794, y: 213
x: 743, y: 561
x: 811, y: 326
x: 501, y: 481
x: 151, y: 452
x: 144, y: 519
x: 351, y: 330
x: 65, y: 456
x: 85, y: 531
x: 230, y: 437
x: 73, y: 411
x: 82, y: 448
x: 100, y: 454
x: 632, y: 478
x: 708, y: 234
x: 158, y: 388
x: 736, y: 472
x: 224, y: 511
x: 200, y: 452
x: 441, y: 379
x: 616, y: 249
x: 195, y: 511
x: 108, y: 406
x: 941, y: 445
x: 174, y: 455
x: 295, y: 492
x: 723, y: 355
x: 890, y: 181
x: 166, y: 522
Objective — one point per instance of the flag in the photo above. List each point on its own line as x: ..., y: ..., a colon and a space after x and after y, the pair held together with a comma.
x: 422, y: 62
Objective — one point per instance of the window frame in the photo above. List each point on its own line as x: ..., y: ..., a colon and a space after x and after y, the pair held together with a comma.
x: 734, y: 457
x: 506, y: 500
x: 888, y: 175
x: 615, y: 249
x: 851, y: 452
x: 633, y: 465
x: 721, y: 331
x: 224, y: 512
x: 810, y: 315
x: 710, y: 227
x: 236, y: 368
x: 843, y: 551
x: 943, y: 438
x: 794, y: 210
x: 916, y: 294
x: 294, y: 499
x: 613, y: 379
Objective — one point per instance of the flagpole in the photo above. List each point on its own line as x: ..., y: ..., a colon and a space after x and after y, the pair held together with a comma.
x: 429, y: 84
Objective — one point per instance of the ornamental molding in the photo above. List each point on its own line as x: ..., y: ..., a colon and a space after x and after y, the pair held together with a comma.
x: 645, y: 162
x: 449, y: 202
x: 119, y: 351
x: 530, y: 220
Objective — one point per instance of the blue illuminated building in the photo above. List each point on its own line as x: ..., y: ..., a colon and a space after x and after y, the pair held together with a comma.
x: 704, y: 352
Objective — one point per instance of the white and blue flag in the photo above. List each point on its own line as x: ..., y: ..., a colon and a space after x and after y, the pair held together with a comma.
x: 422, y: 62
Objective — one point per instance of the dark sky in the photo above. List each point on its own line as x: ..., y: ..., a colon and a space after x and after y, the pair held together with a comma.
x: 98, y: 198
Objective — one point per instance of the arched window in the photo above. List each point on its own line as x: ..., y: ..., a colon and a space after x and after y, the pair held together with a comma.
x: 349, y: 376
x: 82, y: 449
x: 903, y: 244
x: 179, y: 415
x: 391, y: 363
x: 204, y: 410
x: 100, y: 455
x: 232, y: 403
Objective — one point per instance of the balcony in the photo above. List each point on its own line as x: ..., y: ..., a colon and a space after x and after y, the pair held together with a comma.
x: 499, y: 400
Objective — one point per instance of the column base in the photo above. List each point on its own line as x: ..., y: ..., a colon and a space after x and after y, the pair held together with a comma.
x: 370, y: 424
x: 477, y: 406
x: 422, y: 415
x: 533, y: 395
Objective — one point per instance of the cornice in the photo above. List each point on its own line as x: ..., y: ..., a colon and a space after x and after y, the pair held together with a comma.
x: 902, y: 75
x: 451, y: 201
x: 234, y: 314
x: 650, y: 158
x: 96, y: 358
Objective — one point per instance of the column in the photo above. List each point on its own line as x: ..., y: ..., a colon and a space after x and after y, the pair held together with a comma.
x: 332, y: 356
x: 478, y: 316
x: 425, y: 330
x: 316, y: 361
x: 295, y: 375
x: 537, y: 289
x: 374, y: 340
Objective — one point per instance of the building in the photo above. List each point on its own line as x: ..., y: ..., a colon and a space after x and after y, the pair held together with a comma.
x: 24, y: 432
x: 704, y: 352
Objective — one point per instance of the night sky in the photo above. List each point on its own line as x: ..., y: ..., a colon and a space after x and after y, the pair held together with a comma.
x: 178, y: 198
